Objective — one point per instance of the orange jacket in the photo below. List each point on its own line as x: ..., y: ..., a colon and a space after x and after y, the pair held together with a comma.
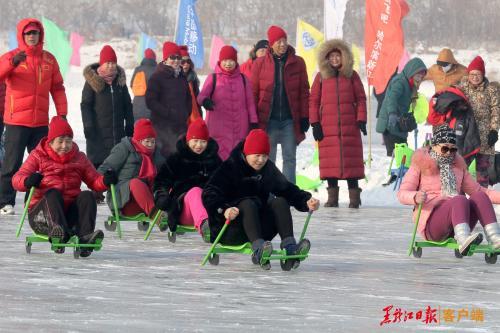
x: 29, y: 83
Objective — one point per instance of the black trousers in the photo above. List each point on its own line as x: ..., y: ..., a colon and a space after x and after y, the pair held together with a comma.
x: 254, y: 222
x: 79, y: 219
x: 17, y: 139
x: 390, y: 140
x: 351, y: 182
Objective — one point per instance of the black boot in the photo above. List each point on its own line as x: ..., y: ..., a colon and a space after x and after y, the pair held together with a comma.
x: 302, y: 248
x: 261, y: 249
x: 91, y: 238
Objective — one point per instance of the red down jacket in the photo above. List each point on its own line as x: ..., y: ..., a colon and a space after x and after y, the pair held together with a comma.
x: 29, y: 84
x: 64, y: 173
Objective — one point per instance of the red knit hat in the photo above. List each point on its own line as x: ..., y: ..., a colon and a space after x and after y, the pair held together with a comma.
x: 477, y: 64
x: 257, y: 142
x: 183, y: 49
x: 149, y: 54
x: 275, y: 33
x: 107, y: 55
x: 143, y: 129
x: 59, y: 127
x: 197, y: 130
x: 169, y: 49
x: 228, y: 52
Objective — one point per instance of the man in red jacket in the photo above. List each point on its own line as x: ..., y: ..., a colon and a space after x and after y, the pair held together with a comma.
x: 30, y: 74
x: 281, y: 92
x: 2, y: 107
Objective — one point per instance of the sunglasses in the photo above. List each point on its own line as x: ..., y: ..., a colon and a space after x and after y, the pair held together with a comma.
x: 446, y: 149
x: 185, y: 61
x: 175, y: 57
x: 32, y: 32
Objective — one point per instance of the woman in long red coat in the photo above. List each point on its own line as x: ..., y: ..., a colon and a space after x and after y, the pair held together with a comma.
x: 337, y: 112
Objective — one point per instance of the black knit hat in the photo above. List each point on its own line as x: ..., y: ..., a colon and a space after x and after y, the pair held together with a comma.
x: 261, y: 44
x: 443, y: 134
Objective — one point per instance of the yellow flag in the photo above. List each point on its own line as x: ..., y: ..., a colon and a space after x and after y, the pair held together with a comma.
x: 355, y: 55
x: 308, y: 40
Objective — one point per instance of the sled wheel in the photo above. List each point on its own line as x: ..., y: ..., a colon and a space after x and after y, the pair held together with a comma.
x: 284, y: 266
x: 28, y: 248
x: 458, y: 255
x: 214, y: 259
x: 76, y: 253
x: 163, y: 227
x: 143, y: 226
x: 490, y: 258
x: 417, y: 252
x: 266, y: 266
x: 172, y: 237
x: 110, y: 227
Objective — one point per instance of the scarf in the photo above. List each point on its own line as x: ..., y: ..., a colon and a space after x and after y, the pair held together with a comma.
x: 148, y: 168
x: 108, y: 75
x: 446, y: 174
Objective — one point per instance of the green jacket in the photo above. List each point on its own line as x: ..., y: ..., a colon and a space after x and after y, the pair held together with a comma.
x: 126, y: 161
x: 397, y: 99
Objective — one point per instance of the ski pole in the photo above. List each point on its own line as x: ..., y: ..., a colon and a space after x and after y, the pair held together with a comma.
x: 416, y: 138
x: 390, y: 165
x: 115, y: 208
x: 25, y: 211
x: 410, y: 249
x: 224, y: 227
x: 152, y: 224
x: 304, y: 229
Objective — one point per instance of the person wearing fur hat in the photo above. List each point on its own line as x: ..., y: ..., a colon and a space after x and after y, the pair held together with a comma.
x: 446, y: 72
x: 337, y: 112
x: 194, y: 83
x: 240, y: 191
x: 181, y: 179
x: 169, y: 99
x: 227, y: 98
x: 281, y: 92
x: 258, y: 50
x: 30, y: 74
x: 436, y: 179
x: 484, y: 98
x: 56, y: 168
x: 139, y: 84
x: 136, y: 161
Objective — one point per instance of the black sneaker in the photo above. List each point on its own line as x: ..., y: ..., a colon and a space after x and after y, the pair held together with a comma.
x: 302, y: 248
x: 263, y: 251
x: 205, y: 231
x: 90, y: 239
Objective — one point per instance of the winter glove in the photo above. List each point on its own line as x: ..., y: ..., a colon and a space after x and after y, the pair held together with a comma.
x: 89, y: 132
x: 33, y: 180
x: 492, y: 138
x: 162, y: 200
x: 392, y: 123
x: 362, y: 127
x: 317, y: 131
x: 304, y: 124
x: 18, y: 58
x: 110, y: 177
x: 254, y: 126
x: 208, y: 104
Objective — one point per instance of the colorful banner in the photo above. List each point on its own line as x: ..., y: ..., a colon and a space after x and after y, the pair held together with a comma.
x: 215, y: 46
x: 56, y: 41
x: 188, y: 31
x: 12, y: 40
x: 334, y: 12
x: 76, y: 42
x: 145, y: 42
x: 384, y: 40
x: 308, y: 40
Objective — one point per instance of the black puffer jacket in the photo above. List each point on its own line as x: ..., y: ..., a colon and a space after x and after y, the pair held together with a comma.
x: 235, y: 180
x: 106, y: 113
x: 184, y: 170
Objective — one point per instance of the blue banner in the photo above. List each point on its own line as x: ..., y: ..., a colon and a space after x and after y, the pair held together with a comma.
x: 145, y: 42
x: 188, y: 31
x: 12, y: 40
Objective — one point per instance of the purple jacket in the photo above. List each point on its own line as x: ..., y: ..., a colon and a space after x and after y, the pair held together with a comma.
x: 234, y: 109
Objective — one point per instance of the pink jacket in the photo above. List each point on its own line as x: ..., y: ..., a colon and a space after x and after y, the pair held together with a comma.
x: 234, y: 109
x: 423, y: 175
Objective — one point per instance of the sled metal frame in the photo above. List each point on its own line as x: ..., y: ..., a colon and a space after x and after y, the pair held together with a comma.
x: 172, y: 235
x: 415, y: 247
x: 217, y: 248
x: 55, y: 244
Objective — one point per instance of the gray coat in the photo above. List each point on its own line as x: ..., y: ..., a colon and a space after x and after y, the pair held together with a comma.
x: 148, y: 66
x: 126, y: 161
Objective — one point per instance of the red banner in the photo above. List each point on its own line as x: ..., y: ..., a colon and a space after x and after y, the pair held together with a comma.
x: 384, y: 40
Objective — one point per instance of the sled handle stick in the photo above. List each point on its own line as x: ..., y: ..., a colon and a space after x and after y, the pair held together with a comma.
x: 115, y: 209
x: 152, y: 224
x: 390, y: 164
x: 25, y: 211
x: 410, y: 248
x: 304, y: 229
x: 224, y: 227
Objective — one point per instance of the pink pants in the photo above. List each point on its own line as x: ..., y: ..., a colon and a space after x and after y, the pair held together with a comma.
x: 458, y: 210
x: 193, y: 212
x: 141, y: 199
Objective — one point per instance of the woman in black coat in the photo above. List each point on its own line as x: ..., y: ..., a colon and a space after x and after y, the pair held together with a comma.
x: 180, y: 181
x: 240, y: 191
x: 169, y: 99
x: 106, y: 106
